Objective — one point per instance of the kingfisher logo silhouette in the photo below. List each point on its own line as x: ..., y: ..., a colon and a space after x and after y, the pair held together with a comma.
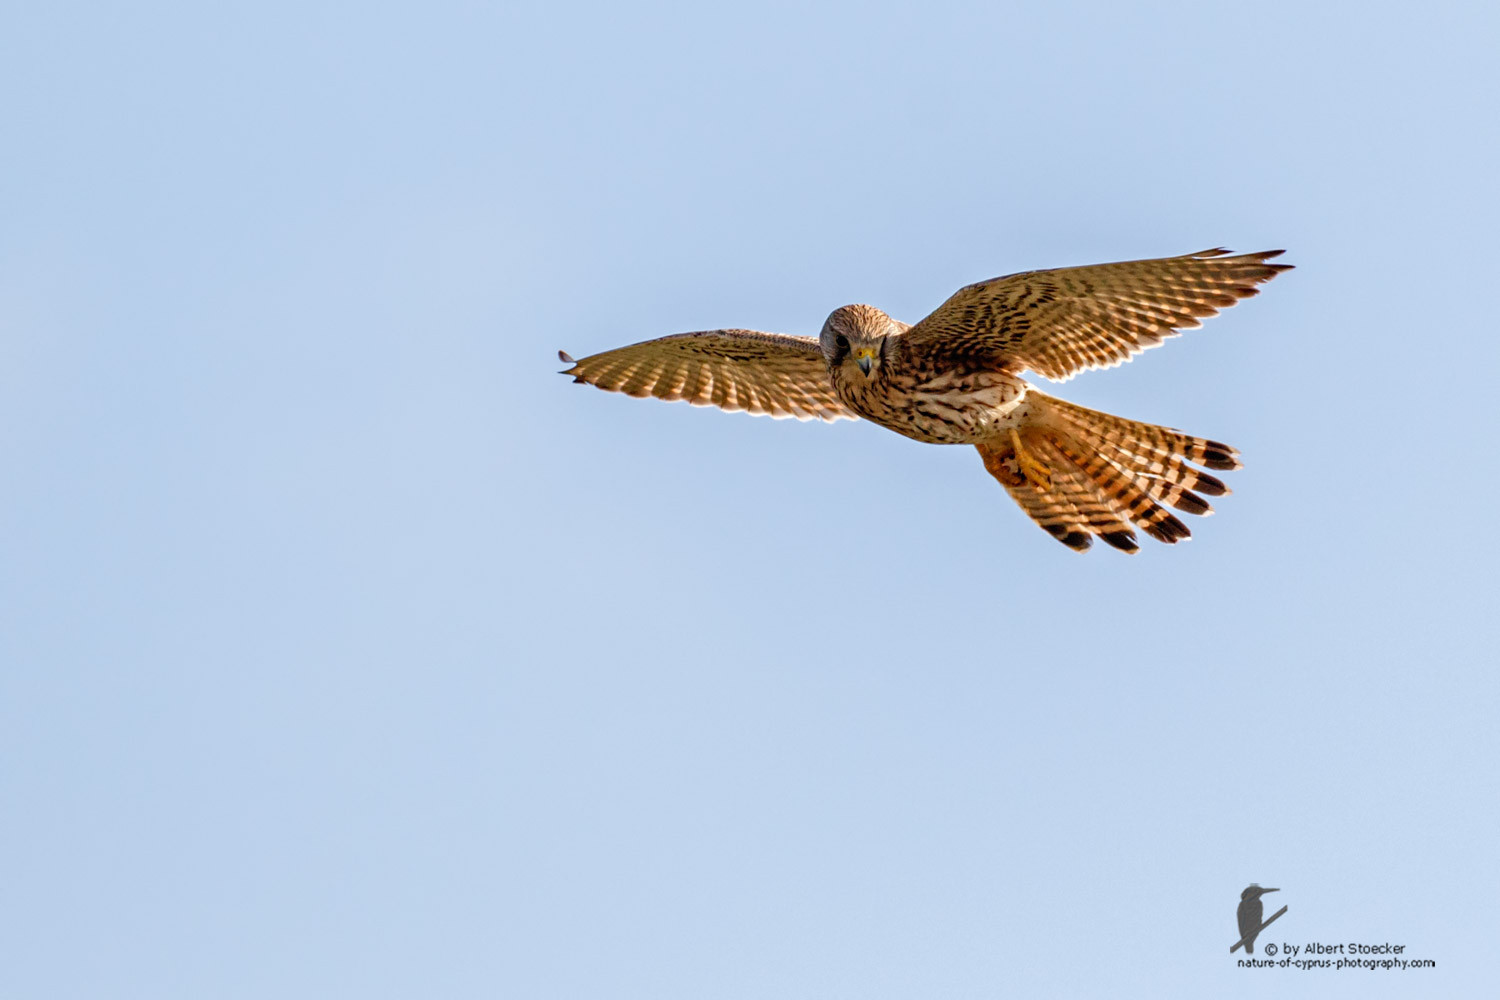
x: 1249, y: 913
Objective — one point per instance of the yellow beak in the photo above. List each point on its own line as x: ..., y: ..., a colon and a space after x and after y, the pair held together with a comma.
x: 865, y: 358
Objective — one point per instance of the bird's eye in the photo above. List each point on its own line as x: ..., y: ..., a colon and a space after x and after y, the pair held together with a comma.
x: 841, y: 342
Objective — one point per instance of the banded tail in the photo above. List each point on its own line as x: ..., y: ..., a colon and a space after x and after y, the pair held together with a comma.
x: 1108, y: 475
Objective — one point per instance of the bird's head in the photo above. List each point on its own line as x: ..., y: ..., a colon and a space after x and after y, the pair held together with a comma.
x: 856, y: 335
x: 1253, y: 891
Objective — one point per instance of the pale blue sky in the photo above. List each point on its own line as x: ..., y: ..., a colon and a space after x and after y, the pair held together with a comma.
x: 350, y: 651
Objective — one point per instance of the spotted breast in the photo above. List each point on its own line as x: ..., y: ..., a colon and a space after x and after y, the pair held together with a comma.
x: 938, y: 406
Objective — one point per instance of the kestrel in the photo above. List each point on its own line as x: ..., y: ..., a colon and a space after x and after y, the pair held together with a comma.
x: 954, y: 378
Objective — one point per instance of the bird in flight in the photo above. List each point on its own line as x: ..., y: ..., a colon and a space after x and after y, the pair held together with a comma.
x: 955, y: 378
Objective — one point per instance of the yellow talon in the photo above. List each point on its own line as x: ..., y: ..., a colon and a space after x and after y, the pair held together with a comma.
x: 1031, y: 467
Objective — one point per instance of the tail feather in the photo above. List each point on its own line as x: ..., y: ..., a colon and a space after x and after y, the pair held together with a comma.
x: 1099, y: 515
x: 1127, y: 494
x: 1145, y: 440
x: 1172, y: 470
x: 1172, y: 494
x: 1108, y: 474
x: 1054, y: 510
x: 1074, y: 510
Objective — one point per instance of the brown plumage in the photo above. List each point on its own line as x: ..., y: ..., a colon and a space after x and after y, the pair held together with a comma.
x: 954, y: 378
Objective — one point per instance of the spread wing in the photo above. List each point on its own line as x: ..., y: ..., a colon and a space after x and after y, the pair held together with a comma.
x: 1064, y: 321
x: 767, y: 373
